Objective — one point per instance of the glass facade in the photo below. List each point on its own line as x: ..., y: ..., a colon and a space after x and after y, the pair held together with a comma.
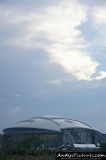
x: 81, y: 136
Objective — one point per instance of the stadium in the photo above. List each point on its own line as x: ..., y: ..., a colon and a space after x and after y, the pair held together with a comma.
x: 56, y: 131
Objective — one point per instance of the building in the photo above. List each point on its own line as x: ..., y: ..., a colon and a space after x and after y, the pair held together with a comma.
x: 56, y: 131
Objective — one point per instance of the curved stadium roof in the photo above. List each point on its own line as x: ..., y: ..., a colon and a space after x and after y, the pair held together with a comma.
x: 51, y: 123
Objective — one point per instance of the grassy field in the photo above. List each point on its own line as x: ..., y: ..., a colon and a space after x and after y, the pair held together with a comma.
x: 18, y: 157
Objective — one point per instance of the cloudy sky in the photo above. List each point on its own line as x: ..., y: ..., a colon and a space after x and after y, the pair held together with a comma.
x: 53, y: 60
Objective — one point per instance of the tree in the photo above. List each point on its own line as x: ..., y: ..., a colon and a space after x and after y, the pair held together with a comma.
x: 103, y: 147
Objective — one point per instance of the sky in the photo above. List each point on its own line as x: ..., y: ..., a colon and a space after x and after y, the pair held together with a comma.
x: 53, y: 60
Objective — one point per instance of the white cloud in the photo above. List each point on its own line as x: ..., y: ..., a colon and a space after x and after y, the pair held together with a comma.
x: 15, y: 111
x: 77, y: 64
x: 59, y: 25
x: 58, y: 81
x: 102, y: 76
x: 56, y: 29
x: 17, y: 95
x: 99, y: 14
